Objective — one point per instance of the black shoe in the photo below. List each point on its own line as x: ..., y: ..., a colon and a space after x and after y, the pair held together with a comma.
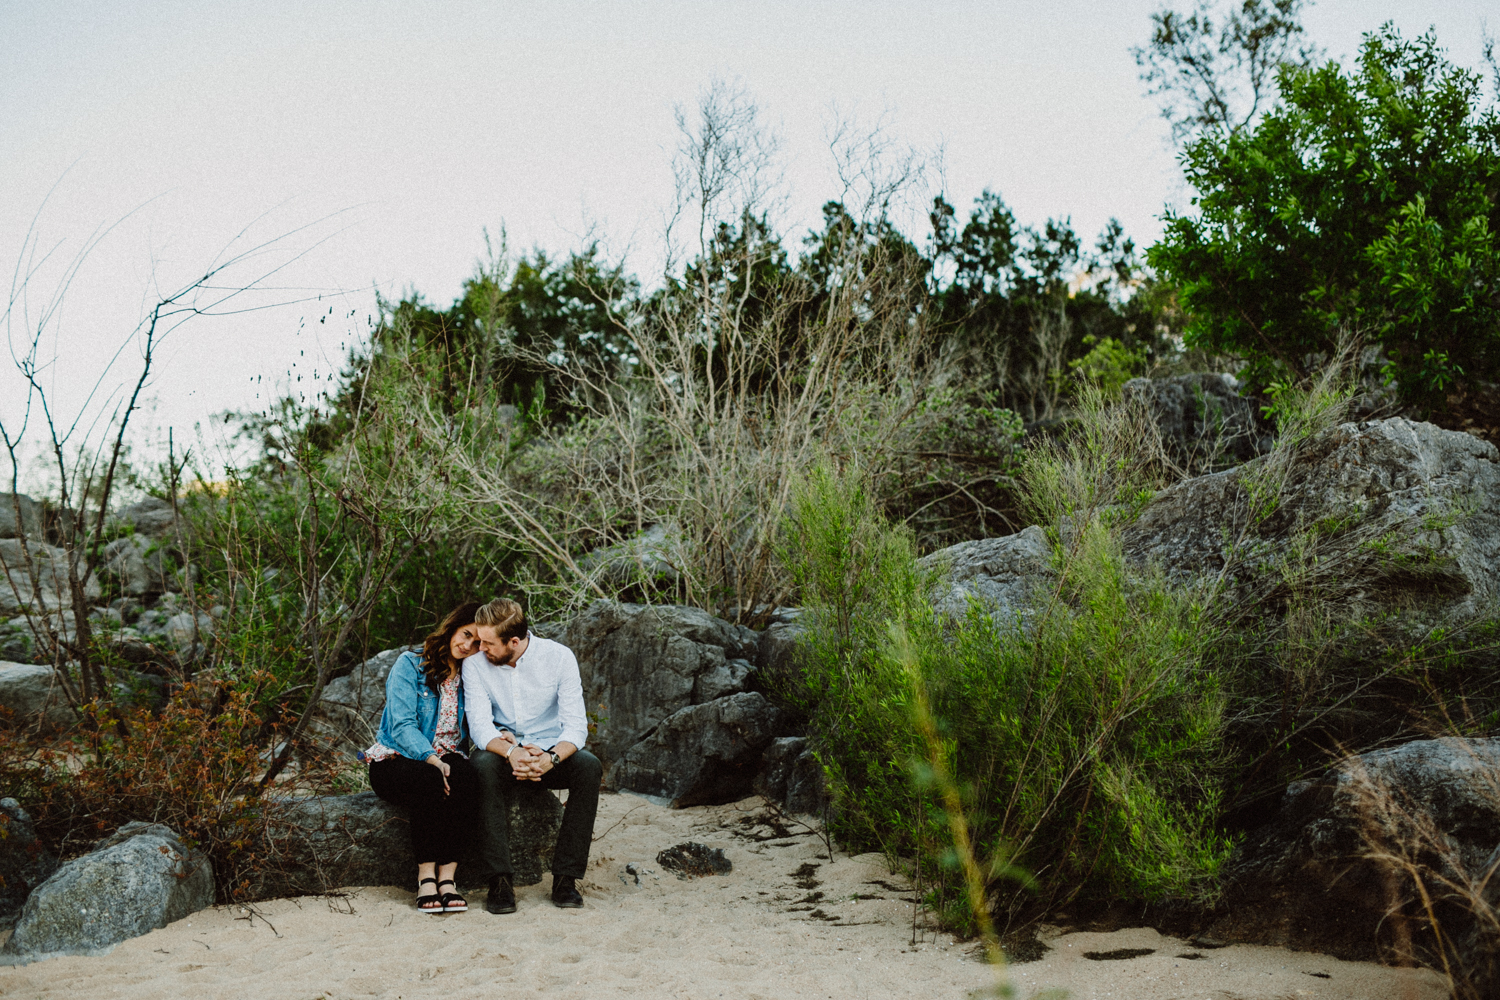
x: 564, y: 893
x: 501, y: 898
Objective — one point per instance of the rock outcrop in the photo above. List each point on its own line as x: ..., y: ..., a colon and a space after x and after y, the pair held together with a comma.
x: 139, y: 879
x: 322, y: 843
x: 642, y: 663
x: 1205, y: 423
x: 702, y: 754
x: 1331, y: 871
x: 24, y: 862
x: 1404, y: 515
x: 1399, y: 515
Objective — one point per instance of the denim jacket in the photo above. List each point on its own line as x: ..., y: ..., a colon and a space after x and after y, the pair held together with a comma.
x: 409, y: 721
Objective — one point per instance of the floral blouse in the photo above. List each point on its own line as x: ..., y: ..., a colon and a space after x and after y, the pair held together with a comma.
x: 445, y: 740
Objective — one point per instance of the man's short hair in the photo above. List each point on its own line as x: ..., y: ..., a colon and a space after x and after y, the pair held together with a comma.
x: 505, y: 617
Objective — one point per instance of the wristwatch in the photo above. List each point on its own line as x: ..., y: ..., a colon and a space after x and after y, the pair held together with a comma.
x: 556, y: 760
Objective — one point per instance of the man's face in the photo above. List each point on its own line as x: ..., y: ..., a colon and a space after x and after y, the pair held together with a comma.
x: 501, y: 654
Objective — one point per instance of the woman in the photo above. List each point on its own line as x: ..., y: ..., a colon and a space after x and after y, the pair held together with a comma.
x: 416, y: 761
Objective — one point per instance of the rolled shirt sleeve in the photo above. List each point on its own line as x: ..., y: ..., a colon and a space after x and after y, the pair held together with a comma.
x: 570, y: 711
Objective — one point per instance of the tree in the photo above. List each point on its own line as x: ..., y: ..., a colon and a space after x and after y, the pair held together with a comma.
x: 1023, y: 302
x: 1218, y: 71
x: 1364, y: 204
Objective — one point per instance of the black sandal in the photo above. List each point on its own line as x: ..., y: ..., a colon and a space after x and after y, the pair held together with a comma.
x: 431, y: 897
x: 452, y: 901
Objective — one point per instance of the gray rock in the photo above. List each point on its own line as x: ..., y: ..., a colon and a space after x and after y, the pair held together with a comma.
x: 1003, y: 574
x: 135, y: 563
x: 776, y: 652
x: 24, y: 862
x: 34, y: 694
x: 179, y: 628
x: 702, y: 754
x: 1205, y: 423
x: 41, y: 583
x: 30, y: 522
x: 350, y: 707
x: 322, y: 843
x: 131, y: 883
x: 1409, y: 516
x: 729, y: 677
x: 151, y: 518
x: 641, y: 663
x: 791, y: 776
x: 1310, y: 878
x: 17, y: 643
x: 649, y: 556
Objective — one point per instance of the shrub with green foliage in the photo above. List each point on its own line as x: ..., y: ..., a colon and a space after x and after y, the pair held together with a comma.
x: 1364, y: 203
x: 1085, y: 735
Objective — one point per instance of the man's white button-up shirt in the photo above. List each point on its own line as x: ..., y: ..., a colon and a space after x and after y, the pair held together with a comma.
x: 538, y: 701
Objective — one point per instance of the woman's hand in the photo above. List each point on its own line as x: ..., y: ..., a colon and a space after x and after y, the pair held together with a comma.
x: 442, y: 766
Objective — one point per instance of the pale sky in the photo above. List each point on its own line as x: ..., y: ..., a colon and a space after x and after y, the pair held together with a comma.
x: 410, y: 128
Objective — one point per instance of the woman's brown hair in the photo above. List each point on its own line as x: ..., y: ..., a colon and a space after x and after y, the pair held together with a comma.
x: 435, y: 664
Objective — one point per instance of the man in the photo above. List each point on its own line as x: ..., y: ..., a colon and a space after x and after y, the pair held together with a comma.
x: 524, y: 703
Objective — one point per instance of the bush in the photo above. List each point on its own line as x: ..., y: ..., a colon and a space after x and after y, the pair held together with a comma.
x: 190, y: 766
x: 1364, y: 203
x: 1084, y: 736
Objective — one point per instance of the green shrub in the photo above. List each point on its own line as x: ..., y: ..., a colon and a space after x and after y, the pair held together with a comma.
x: 1084, y: 734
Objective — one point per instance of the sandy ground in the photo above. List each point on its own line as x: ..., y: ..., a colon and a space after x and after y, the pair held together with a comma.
x: 787, y: 922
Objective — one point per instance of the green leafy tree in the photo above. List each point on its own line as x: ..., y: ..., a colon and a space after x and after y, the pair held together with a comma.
x: 1365, y: 203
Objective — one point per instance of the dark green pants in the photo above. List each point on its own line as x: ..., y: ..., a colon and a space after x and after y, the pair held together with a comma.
x: 579, y: 774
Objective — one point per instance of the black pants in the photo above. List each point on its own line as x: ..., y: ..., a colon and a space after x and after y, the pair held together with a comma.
x: 579, y: 774
x: 442, y: 826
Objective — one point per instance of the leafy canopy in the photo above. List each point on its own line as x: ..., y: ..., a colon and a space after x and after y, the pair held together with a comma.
x: 1364, y: 203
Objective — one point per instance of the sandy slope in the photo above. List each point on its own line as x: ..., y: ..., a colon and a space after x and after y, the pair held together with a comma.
x: 786, y: 923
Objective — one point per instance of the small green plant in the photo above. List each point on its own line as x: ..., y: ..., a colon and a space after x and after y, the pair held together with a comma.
x: 1109, y: 364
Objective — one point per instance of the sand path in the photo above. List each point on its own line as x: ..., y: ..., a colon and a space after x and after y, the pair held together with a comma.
x: 785, y: 923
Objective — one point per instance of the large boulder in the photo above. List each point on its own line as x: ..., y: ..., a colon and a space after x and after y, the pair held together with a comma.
x: 1002, y: 574
x: 24, y: 862
x: 641, y: 663
x: 139, y: 879
x: 1403, y: 515
x: 1205, y: 423
x: 349, y: 709
x: 1332, y: 871
x: 33, y: 694
x: 702, y: 754
x: 320, y: 843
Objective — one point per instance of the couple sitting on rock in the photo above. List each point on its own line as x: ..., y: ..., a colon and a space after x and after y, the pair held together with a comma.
x: 483, y: 676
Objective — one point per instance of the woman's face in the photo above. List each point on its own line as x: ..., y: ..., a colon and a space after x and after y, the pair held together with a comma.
x: 465, y: 643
